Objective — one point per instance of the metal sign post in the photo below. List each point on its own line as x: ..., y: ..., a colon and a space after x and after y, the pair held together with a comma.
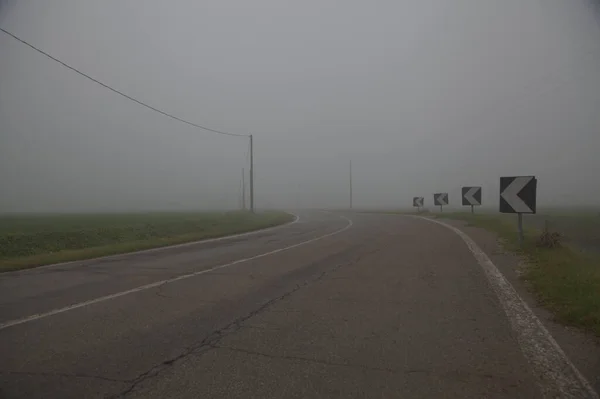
x: 471, y: 196
x: 518, y: 195
x: 440, y: 199
x: 520, y: 227
x: 418, y: 203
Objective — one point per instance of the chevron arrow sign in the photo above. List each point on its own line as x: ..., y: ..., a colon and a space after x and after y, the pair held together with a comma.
x: 471, y: 195
x: 418, y: 201
x: 440, y: 199
x: 518, y: 194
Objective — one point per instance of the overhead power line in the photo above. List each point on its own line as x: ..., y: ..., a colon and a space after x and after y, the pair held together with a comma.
x: 119, y: 92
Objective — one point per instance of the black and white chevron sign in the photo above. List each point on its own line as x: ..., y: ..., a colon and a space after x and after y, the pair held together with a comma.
x: 471, y: 195
x: 518, y: 194
x: 418, y: 201
x: 440, y: 199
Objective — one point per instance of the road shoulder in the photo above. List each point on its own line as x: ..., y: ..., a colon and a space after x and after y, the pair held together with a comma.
x: 583, y: 349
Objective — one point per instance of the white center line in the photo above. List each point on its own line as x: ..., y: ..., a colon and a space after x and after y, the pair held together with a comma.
x: 38, y: 316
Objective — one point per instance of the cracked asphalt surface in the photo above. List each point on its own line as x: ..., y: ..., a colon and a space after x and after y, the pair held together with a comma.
x: 391, y: 307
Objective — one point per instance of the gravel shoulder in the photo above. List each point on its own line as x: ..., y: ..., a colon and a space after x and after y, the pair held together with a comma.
x: 581, y: 347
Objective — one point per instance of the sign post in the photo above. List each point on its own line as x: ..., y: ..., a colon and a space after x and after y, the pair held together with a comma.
x: 520, y: 227
x: 518, y: 195
x: 418, y: 203
x: 440, y: 199
x: 471, y: 196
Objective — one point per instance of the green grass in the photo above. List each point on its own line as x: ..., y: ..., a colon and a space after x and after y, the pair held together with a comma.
x: 565, y: 280
x: 34, y: 240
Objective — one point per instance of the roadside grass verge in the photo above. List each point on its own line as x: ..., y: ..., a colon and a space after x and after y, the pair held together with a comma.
x: 565, y: 280
x: 33, y: 240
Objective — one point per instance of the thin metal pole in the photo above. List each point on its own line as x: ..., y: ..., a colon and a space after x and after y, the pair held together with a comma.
x: 441, y: 208
x: 472, y: 209
x: 520, y: 224
x: 350, y: 184
x: 251, y: 174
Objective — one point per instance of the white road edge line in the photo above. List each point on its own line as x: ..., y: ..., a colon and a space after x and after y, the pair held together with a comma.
x: 558, y: 376
x: 157, y: 249
x: 38, y: 316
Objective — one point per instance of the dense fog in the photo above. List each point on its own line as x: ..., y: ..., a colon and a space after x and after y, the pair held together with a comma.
x: 423, y: 96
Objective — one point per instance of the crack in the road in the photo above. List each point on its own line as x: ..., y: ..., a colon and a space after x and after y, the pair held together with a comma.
x: 451, y: 374
x: 210, y: 342
x: 159, y: 292
x: 265, y: 328
x: 312, y: 360
x: 67, y: 375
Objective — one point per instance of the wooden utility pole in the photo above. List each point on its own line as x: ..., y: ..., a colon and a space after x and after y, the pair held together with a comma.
x: 350, y: 184
x: 251, y: 174
x: 243, y: 189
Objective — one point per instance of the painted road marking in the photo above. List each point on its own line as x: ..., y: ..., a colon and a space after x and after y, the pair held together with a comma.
x: 150, y: 250
x: 558, y: 376
x: 38, y: 316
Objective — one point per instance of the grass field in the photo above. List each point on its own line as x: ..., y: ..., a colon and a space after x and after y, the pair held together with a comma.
x: 580, y: 227
x: 565, y: 280
x: 34, y: 240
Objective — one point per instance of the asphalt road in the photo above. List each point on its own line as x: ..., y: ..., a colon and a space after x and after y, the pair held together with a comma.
x: 331, y: 306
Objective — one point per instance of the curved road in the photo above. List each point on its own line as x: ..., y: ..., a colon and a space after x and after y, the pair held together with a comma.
x: 334, y: 305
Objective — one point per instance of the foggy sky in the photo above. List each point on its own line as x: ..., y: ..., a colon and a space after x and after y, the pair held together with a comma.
x: 424, y: 96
